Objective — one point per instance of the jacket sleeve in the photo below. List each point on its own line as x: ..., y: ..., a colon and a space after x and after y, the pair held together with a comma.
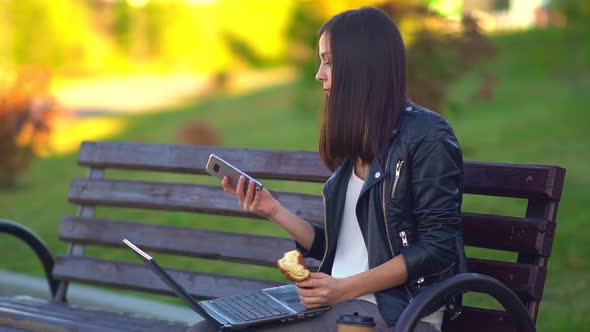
x: 436, y: 189
x: 317, y: 247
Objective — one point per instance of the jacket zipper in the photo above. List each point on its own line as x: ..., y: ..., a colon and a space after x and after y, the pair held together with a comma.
x: 384, y: 211
x: 423, y: 278
x: 325, y: 234
x: 405, y: 243
x: 385, y: 217
x: 404, y: 237
x: 398, y: 170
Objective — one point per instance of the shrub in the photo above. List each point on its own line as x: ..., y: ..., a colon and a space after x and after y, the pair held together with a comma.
x: 440, y: 54
x: 439, y: 51
x: 198, y: 133
x: 26, y: 113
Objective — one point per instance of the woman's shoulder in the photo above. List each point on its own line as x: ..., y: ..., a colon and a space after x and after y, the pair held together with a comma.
x: 417, y: 123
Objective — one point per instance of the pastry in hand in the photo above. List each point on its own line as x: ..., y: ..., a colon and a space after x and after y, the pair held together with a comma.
x: 293, y: 266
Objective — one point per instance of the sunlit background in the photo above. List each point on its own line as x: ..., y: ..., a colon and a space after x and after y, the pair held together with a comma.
x: 512, y: 76
x: 100, y: 56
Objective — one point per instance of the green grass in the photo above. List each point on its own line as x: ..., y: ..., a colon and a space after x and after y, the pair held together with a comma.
x: 537, y: 115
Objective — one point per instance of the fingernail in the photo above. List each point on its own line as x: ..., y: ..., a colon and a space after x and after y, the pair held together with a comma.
x: 257, y: 188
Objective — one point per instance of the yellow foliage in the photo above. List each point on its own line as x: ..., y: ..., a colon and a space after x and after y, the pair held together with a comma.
x: 26, y: 113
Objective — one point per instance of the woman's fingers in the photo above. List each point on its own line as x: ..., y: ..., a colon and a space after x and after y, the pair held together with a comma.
x: 249, y: 196
x: 240, y: 190
x: 310, y: 288
x: 312, y: 302
x: 320, y: 289
x: 257, y: 198
x: 315, y: 280
x: 308, y: 292
x: 226, y: 186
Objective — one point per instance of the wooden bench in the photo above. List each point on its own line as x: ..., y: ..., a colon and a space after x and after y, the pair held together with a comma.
x: 530, y: 236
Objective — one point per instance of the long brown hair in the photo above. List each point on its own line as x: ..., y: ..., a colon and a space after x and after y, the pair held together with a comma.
x: 368, y: 86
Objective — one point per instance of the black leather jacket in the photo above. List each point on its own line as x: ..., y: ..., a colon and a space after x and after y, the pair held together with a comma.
x: 409, y: 204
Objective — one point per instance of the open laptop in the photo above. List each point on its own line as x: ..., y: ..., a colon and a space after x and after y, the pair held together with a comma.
x: 241, y: 311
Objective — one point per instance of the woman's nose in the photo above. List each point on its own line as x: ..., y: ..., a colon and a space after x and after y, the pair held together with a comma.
x: 320, y: 75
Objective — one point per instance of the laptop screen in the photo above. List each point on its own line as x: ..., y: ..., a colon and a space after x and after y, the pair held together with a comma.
x: 176, y: 287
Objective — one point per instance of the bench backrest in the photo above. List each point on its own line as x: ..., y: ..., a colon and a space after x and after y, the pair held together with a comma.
x: 529, y: 236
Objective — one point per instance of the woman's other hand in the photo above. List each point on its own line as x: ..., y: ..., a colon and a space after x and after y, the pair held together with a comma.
x: 253, y: 199
x: 322, y: 290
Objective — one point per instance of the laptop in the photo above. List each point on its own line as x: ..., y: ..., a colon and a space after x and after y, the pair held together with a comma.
x: 240, y: 311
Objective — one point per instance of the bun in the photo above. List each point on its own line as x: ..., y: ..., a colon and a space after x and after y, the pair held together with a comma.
x: 293, y: 266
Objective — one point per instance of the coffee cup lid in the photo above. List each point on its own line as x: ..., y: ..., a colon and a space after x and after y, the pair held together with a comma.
x: 355, y: 319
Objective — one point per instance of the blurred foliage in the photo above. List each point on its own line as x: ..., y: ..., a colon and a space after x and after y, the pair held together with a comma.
x: 54, y: 34
x: 247, y: 52
x: 302, y: 34
x: 500, y: 5
x: 198, y: 133
x: 223, y: 37
x: 436, y: 59
x: 576, y: 12
x: 26, y: 113
x: 439, y: 51
x: 95, y: 37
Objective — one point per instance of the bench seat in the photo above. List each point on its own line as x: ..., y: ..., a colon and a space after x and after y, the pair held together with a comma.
x: 140, y: 176
x: 24, y: 313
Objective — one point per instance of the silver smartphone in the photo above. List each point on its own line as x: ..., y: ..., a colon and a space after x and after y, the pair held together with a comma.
x: 220, y: 168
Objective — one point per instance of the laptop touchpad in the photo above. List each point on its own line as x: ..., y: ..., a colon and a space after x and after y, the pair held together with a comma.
x: 288, y: 295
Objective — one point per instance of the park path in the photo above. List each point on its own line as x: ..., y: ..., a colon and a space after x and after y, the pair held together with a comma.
x: 128, y: 94
x: 89, y: 105
x: 144, y: 93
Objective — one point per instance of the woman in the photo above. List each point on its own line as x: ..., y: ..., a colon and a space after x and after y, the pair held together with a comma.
x: 393, y: 203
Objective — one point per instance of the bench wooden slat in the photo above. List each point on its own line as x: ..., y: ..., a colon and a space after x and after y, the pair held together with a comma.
x: 522, y: 235
x: 525, y: 280
x: 182, y: 197
x: 275, y: 164
x: 236, y: 247
x: 515, y: 234
x: 481, y: 320
x: 500, y: 179
x: 513, y: 180
x: 43, y: 315
x: 142, y: 278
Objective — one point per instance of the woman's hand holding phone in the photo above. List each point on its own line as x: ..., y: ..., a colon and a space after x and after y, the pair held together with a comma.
x: 253, y: 198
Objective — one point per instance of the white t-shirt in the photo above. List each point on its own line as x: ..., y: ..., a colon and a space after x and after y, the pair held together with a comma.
x: 351, y: 252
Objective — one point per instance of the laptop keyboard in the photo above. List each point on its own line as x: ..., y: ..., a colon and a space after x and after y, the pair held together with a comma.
x: 250, y: 306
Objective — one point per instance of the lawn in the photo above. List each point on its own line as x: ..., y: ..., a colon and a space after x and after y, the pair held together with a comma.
x: 537, y: 115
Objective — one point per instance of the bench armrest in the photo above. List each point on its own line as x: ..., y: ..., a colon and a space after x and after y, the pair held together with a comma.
x: 463, y: 283
x: 38, y: 246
